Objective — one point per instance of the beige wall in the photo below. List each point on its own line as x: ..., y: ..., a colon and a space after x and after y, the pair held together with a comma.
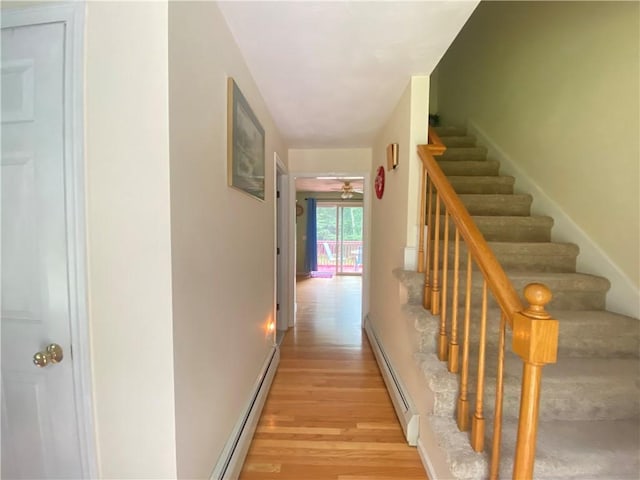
x: 556, y: 86
x: 222, y: 240
x: 329, y: 160
x: 393, y: 226
x: 129, y: 249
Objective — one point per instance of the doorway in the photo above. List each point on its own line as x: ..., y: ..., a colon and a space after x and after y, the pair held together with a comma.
x: 339, y: 237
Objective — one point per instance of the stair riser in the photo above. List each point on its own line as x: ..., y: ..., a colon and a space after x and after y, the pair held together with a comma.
x: 462, y: 141
x: 580, y: 343
x: 557, y: 403
x: 507, y: 205
x: 469, y: 168
x: 565, y: 297
x: 575, y: 340
x: 569, y: 396
x: 482, y: 185
x: 507, y: 229
x: 449, y: 131
x: 527, y: 261
x: 455, y: 154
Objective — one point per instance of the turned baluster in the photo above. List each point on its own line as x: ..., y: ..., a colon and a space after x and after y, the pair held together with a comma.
x: 442, y: 338
x: 497, y: 419
x: 477, y: 424
x: 426, y: 299
x: 463, y: 402
x: 453, y: 343
x: 535, y: 340
x: 421, y: 222
x: 435, y: 286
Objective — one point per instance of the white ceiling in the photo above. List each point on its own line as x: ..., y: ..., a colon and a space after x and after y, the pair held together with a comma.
x: 332, y: 72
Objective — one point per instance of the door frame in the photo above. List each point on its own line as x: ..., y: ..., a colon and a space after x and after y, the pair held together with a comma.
x: 73, y: 17
x: 282, y: 285
x: 366, y: 229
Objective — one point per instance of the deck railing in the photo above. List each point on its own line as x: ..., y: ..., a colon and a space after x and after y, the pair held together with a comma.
x: 331, y: 251
x: 535, y: 334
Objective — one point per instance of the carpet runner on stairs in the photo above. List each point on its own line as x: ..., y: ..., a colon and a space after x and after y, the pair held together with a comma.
x: 590, y: 402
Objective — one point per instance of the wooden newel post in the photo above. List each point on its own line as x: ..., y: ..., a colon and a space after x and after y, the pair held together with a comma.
x: 535, y: 340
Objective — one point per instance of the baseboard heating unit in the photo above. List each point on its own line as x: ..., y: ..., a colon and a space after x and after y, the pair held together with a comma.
x: 405, y: 410
x: 235, y: 450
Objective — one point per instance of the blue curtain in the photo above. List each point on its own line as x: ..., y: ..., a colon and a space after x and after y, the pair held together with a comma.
x: 311, y: 256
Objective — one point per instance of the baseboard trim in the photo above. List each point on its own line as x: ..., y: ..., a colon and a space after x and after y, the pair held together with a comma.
x: 402, y: 404
x: 624, y: 296
x: 230, y: 462
x: 410, y: 258
x: 426, y: 462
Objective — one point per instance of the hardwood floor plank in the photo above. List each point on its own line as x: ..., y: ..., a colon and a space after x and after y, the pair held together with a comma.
x: 328, y: 414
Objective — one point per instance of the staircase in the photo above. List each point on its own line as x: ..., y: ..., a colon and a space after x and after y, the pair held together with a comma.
x: 590, y: 405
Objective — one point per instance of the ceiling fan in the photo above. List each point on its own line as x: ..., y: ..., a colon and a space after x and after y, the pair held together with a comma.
x: 348, y: 190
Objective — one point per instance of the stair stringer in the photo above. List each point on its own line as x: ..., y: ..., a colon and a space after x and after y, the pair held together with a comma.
x: 624, y: 296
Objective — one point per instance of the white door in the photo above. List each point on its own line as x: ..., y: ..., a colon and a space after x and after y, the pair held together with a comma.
x: 40, y: 434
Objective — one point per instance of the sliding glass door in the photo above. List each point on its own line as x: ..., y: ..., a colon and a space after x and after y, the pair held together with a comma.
x: 339, y: 234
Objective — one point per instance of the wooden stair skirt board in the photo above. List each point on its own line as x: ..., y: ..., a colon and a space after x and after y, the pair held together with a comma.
x: 230, y: 462
x: 405, y: 410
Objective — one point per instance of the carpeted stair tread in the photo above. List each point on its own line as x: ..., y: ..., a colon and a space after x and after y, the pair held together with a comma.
x: 464, y: 153
x: 469, y: 167
x: 477, y: 184
x: 459, y: 141
x: 600, y: 449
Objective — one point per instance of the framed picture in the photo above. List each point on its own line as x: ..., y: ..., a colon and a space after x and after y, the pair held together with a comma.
x: 245, y: 148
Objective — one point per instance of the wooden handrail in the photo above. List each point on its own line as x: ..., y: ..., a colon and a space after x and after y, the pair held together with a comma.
x: 497, y: 279
x: 436, y: 147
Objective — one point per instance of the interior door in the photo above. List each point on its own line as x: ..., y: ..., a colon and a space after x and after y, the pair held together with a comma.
x: 40, y: 436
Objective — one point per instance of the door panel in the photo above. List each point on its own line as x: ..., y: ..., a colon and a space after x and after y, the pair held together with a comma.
x: 39, y: 425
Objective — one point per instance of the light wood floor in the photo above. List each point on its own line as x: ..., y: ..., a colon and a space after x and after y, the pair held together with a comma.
x: 328, y: 415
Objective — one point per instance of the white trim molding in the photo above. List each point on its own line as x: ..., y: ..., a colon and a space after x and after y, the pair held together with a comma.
x: 402, y: 404
x: 624, y: 296
x: 426, y: 461
x: 231, y: 459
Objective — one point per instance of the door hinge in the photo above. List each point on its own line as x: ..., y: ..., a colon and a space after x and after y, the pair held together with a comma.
x: 277, y: 306
x: 278, y: 251
x: 278, y: 194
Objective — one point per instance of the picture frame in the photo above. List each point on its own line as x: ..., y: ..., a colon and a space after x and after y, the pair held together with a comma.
x: 245, y: 145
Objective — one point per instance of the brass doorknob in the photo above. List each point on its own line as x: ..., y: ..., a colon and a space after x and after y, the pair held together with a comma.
x: 53, y: 354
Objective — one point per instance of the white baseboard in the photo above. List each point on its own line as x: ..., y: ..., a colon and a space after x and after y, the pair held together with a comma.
x: 410, y: 258
x: 230, y: 462
x: 624, y: 296
x: 405, y: 410
x: 426, y: 462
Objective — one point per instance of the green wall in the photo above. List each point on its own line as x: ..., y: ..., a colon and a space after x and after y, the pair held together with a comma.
x: 556, y: 86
